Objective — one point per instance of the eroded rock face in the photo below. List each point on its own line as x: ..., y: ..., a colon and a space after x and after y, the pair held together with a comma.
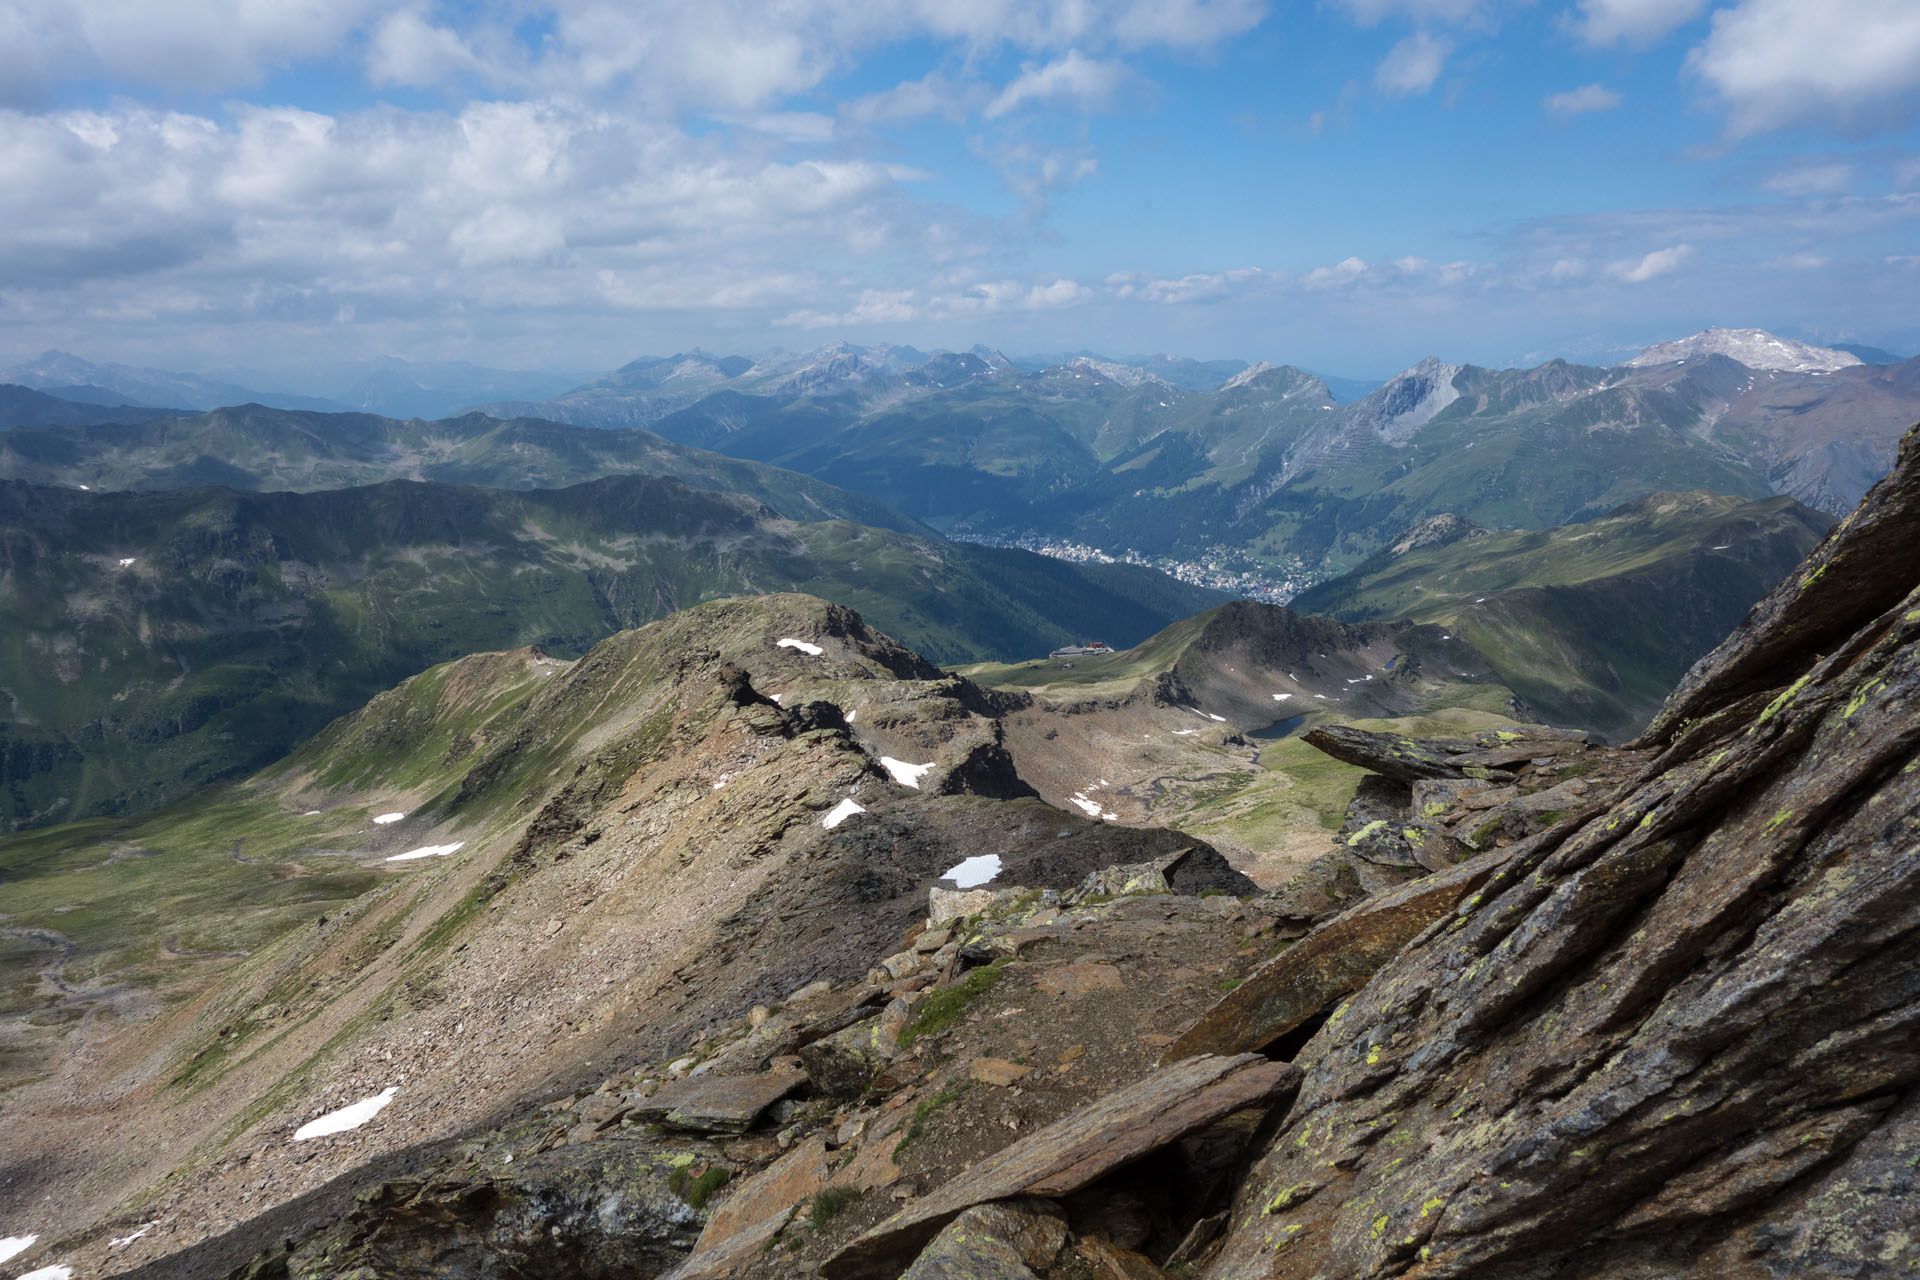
x: 1679, y: 1035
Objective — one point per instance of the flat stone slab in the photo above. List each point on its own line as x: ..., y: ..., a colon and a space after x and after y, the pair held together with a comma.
x: 1333, y: 961
x: 1075, y: 1151
x: 1393, y: 756
x: 791, y: 1180
x: 735, y: 1254
x: 717, y: 1104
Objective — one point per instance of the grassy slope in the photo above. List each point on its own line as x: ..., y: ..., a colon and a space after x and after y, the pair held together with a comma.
x: 247, y: 621
x: 1592, y: 623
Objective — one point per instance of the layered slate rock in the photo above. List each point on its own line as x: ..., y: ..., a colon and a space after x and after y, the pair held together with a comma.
x: 1679, y: 1036
x: 717, y: 1104
x: 1075, y: 1151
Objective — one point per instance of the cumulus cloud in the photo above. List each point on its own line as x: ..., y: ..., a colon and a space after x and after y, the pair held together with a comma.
x: 1412, y: 66
x: 1588, y: 97
x: 406, y: 49
x: 1652, y: 265
x: 218, y: 44
x: 1633, y: 22
x: 387, y: 209
x: 1088, y: 82
x: 1772, y: 63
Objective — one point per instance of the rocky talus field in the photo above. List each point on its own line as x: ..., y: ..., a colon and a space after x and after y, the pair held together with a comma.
x: 751, y: 944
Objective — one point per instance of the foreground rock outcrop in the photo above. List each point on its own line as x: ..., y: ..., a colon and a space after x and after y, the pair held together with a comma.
x: 1676, y: 1036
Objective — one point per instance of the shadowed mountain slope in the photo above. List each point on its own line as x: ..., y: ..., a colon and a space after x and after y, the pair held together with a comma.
x: 154, y: 642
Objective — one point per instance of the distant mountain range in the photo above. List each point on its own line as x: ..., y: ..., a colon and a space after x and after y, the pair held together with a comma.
x: 71, y: 378
x: 1269, y: 462
x: 1154, y: 455
x: 257, y: 448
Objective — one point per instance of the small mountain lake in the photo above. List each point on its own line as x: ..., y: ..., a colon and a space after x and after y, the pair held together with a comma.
x: 1279, y: 728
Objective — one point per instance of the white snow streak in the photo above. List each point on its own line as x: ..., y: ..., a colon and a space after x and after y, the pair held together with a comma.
x: 385, y: 818
x: 346, y: 1117
x: 841, y: 812
x: 811, y: 650
x: 429, y: 851
x: 57, y: 1271
x: 907, y: 775
x: 1089, y: 807
x: 974, y: 871
x: 14, y: 1245
x: 1281, y: 697
x: 127, y: 562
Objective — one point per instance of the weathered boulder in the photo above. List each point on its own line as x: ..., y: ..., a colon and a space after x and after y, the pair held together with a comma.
x: 1075, y: 1151
x: 1006, y: 1240
x: 1680, y: 1034
x: 605, y: 1209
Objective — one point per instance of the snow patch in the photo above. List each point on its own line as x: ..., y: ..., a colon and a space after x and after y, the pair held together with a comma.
x: 1323, y: 697
x: 121, y: 1242
x: 1111, y: 817
x: 13, y: 1246
x: 57, y: 1271
x: 1221, y: 719
x: 1725, y: 546
x: 127, y: 562
x: 346, y: 1117
x: 1184, y: 733
x: 841, y: 812
x: 811, y: 650
x: 907, y: 775
x: 311, y: 813
x: 1089, y: 807
x: 779, y: 698
x: 851, y: 714
x: 429, y: 851
x: 1281, y: 697
x: 385, y: 818
x: 974, y: 871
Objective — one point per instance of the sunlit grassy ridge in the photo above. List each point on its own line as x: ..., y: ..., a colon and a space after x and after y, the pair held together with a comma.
x: 1592, y: 623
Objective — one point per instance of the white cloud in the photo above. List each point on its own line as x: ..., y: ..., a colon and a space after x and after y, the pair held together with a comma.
x: 1203, y: 286
x: 1652, y: 265
x: 1340, y: 273
x: 1588, y: 97
x: 1074, y: 77
x: 405, y: 49
x: 931, y: 95
x: 1812, y: 179
x: 209, y: 45
x: 1413, y: 65
x: 1855, y: 63
x: 1634, y: 22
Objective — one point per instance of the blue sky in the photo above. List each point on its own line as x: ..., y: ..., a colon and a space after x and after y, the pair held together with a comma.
x: 1348, y: 185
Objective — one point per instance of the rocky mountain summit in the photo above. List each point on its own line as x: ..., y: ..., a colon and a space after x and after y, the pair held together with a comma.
x: 1754, y: 348
x: 1577, y: 1011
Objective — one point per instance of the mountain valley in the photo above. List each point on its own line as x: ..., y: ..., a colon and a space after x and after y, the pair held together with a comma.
x: 510, y: 847
x: 715, y: 1020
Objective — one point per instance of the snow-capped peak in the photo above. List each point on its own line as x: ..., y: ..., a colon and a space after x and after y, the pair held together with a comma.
x: 1754, y: 348
x: 1126, y: 375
